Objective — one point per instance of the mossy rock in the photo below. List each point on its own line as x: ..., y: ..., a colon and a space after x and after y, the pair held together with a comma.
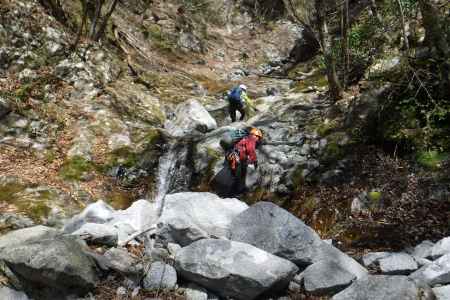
x: 75, y: 168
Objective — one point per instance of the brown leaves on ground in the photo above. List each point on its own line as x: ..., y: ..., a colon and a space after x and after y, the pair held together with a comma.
x: 408, y: 215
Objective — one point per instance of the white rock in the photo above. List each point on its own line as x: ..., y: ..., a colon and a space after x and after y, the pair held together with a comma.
x: 373, y: 258
x: 423, y: 250
x: 436, y: 273
x: 202, y: 214
x: 398, y: 264
x: 442, y: 247
x: 190, y: 117
x: 442, y: 292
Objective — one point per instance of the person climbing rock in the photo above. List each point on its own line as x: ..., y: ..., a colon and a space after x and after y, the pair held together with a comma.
x: 242, y: 154
x: 237, y: 99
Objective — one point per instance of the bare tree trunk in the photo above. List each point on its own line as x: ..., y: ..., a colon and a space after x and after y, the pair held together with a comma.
x: 432, y: 21
x: 326, y: 43
x: 435, y: 34
x: 404, y: 29
x: 82, y: 25
x: 101, y: 31
x: 96, y: 18
x: 345, y: 41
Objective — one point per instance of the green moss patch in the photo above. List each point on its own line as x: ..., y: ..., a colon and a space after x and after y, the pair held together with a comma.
x: 75, y: 168
x: 431, y: 159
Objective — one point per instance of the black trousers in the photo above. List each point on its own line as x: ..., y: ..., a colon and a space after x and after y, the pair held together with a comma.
x: 239, y: 179
x: 233, y: 107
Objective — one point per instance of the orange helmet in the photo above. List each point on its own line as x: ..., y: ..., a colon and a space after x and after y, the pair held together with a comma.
x: 256, y: 132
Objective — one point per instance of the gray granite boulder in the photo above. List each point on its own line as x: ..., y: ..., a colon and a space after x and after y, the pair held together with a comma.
x: 50, y: 268
x: 9, y: 294
x: 120, y: 260
x: 381, y: 288
x: 160, y: 276
x: 275, y: 230
x: 98, y: 234
x: 190, y: 118
x: 372, y: 258
x: 233, y: 269
x: 442, y: 247
x: 326, y: 278
x: 398, y: 264
x: 442, y: 292
x: 98, y: 212
x: 27, y: 235
x: 423, y: 250
x: 188, y: 217
x: 437, y: 272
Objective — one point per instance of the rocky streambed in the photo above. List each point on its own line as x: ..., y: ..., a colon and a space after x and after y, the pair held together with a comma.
x: 206, y: 247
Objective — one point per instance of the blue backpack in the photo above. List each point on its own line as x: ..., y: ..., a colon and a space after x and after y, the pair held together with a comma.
x: 235, y: 96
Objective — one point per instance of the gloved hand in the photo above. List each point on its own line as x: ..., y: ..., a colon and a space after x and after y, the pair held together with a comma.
x: 255, y: 165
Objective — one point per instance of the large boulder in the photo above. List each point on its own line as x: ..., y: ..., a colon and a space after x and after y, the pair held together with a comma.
x: 27, y: 235
x: 398, y: 264
x: 437, y: 272
x: 423, y: 250
x: 275, y: 230
x: 372, y: 258
x: 9, y: 294
x: 381, y: 288
x: 188, y: 217
x: 121, y: 261
x: 190, y: 117
x: 233, y: 269
x: 325, y: 278
x: 442, y: 292
x: 52, y: 267
x: 160, y: 276
x: 442, y: 247
x: 98, y: 234
x: 141, y: 215
x: 98, y: 212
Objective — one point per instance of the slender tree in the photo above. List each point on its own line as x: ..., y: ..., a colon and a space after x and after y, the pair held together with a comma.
x: 327, y: 45
x: 436, y: 36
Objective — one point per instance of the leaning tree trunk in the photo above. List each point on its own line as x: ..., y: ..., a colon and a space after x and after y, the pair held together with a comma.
x: 327, y: 43
x: 436, y: 35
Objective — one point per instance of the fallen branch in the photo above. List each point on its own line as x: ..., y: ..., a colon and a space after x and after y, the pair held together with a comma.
x: 133, y: 236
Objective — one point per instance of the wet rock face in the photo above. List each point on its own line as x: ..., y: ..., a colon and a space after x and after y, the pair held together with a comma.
x: 287, y: 154
x: 233, y: 269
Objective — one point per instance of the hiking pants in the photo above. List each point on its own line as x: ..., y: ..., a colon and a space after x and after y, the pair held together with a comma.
x: 233, y: 107
x: 239, y: 180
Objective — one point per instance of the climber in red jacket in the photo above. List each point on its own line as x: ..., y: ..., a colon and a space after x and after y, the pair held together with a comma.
x: 243, y: 154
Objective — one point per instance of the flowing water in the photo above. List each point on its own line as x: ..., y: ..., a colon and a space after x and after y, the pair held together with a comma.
x: 173, y: 173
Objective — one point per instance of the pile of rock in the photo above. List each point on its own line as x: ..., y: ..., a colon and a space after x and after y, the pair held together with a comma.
x: 206, y: 247
x: 427, y: 264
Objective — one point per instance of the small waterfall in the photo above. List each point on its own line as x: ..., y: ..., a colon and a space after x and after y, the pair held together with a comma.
x: 173, y: 172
